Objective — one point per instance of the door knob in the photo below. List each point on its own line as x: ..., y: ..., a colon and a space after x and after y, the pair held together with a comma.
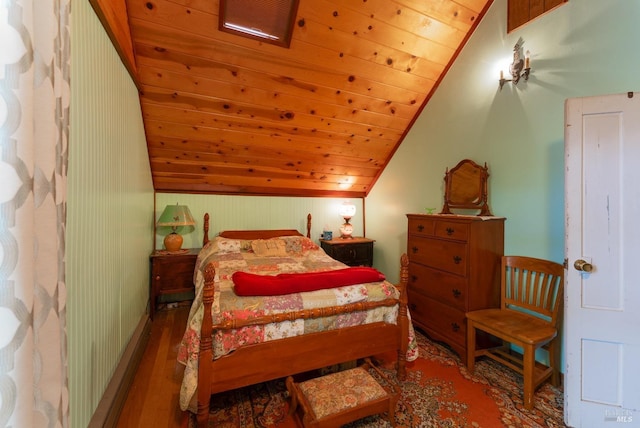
x: 583, y: 266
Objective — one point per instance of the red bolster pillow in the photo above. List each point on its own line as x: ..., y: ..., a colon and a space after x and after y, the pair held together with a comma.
x: 249, y: 284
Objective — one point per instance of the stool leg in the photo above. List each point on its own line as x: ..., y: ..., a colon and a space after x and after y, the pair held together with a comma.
x: 293, y: 397
x: 392, y: 412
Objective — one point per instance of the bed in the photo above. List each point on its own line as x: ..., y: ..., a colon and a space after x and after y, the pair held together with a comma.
x: 233, y: 341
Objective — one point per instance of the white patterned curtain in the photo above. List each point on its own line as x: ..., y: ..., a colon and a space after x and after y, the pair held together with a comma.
x: 34, y: 130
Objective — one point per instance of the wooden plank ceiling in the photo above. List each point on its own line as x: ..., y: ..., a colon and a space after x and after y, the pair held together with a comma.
x: 228, y: 114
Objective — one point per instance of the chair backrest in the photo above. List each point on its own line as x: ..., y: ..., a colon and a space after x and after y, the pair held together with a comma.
x: 533, y: 286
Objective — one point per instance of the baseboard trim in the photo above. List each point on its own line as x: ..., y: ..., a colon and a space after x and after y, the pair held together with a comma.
x: 110, y: 406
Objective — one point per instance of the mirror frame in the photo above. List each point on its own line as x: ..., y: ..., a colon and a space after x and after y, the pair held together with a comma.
x: 471, y: 178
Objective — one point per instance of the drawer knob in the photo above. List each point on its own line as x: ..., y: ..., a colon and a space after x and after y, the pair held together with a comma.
x: 414, y: 249
x: 457, y: 259
x: 455, y: 326
x: 157, y: 277
x: 450, y: 231
x: 412, y: 306
x: 414, y: 278
x: 420, y: 228
x: 456, y: 293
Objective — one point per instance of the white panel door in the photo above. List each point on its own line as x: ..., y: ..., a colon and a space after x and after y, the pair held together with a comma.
x: 602, y: 306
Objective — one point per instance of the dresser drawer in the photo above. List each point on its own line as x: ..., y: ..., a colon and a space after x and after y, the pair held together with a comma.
x: 444, y: 287
x: 450, y: 256
x: 448, y: 322
x: 422, y: 225
x: 452, y: 230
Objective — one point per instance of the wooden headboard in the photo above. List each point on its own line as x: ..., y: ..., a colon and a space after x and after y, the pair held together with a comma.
x: 254, y: 234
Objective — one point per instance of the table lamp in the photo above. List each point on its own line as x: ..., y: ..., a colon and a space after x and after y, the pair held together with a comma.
x: 175, y: 216
x: 347, y: 210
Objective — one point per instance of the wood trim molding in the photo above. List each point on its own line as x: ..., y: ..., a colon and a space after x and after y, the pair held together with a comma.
x: 520, y: 12
x: 114, y: 19
x: 110, y: 406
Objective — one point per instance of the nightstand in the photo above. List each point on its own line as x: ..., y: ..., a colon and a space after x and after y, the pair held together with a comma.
x: 352, y: 252
x: 171, y: 274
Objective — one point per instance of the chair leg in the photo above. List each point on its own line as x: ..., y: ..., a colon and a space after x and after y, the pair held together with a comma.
x: 528, y: 370
x: 471, y: 346
x: 554, y: 360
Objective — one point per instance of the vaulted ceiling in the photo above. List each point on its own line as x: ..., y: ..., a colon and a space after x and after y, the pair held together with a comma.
x: 228, y: 114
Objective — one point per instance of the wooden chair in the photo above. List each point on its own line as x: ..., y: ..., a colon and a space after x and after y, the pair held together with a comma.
x: 529, y: 313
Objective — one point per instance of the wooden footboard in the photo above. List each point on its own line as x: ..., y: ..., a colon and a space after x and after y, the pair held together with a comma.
x: 275, y: 359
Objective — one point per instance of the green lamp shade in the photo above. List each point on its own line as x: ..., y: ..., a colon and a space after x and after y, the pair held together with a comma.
x: 175, y: 216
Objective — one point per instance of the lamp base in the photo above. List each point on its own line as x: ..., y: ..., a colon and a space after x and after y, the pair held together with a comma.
x: 346, y: 230
x: 173, y: 242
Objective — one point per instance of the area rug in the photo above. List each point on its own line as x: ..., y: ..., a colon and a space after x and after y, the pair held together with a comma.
x: 438, y: 392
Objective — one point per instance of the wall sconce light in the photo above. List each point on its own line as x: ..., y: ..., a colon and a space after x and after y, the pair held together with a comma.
x: 519, y: 68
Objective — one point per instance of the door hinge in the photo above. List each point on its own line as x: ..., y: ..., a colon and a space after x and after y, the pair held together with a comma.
x: 566, y: 263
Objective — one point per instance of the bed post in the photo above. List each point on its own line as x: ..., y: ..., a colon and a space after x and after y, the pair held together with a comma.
x: 403, y: 319
x: 206, y: 354
x: 205, y: 227
x: 309, y: 225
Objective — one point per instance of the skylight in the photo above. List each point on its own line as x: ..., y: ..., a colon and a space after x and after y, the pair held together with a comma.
x: 270, y: 21
x: 251, y: 31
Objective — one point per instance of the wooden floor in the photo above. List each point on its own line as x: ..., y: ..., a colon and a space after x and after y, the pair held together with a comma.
x: 153, y: 397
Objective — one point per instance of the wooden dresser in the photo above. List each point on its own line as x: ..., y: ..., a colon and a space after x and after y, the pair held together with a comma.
x: 454, y: 267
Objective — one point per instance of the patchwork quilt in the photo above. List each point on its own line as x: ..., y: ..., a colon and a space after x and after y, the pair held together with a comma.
x: 296, y: 255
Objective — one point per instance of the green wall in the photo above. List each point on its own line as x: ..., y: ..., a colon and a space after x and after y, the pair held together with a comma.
x: 582, y: 48
x: 109, y: 214
x: 257, y: 212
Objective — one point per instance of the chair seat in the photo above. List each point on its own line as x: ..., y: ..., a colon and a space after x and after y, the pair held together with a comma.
x: 513, y: 326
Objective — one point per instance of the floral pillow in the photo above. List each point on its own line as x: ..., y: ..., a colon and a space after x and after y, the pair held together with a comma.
x: 230, y: 245
x: 298, y: 244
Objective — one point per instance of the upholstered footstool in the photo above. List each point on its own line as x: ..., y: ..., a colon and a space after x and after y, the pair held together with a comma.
x: 338, y: 398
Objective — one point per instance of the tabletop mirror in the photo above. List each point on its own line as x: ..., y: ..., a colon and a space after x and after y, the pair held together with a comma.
x: 465, y: 187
